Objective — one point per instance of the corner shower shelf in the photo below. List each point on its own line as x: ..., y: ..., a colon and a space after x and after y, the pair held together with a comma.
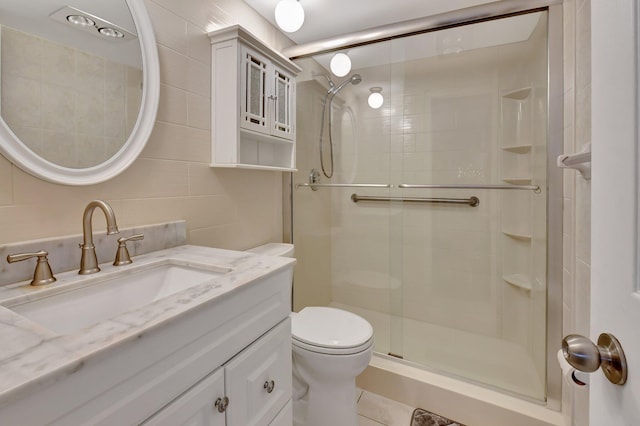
x: 518, y: 280
x: 517, y: 236
x: 517, y: 180
x: 518, y: 94
x: 518, y: 149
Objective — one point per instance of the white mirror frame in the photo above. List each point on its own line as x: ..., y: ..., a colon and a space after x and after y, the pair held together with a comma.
x: 21, y: 156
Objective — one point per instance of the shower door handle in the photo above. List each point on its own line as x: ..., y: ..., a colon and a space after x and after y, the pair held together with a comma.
x: 582, y: 354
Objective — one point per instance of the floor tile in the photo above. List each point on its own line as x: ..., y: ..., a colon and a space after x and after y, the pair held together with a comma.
x: 365, y: 421
x: 384, y: 410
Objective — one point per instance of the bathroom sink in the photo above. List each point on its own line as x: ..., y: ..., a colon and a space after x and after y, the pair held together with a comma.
x: 107, y: 296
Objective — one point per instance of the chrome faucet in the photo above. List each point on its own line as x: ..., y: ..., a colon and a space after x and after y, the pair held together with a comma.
x: 89, y: 261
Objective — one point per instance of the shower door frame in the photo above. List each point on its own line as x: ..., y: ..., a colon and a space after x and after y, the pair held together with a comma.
x: 555, y: 139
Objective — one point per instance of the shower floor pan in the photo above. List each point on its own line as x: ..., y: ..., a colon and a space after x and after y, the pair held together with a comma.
x: 483, y: 359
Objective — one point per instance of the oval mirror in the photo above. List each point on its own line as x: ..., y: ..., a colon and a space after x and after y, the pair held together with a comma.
x: 80, y: 87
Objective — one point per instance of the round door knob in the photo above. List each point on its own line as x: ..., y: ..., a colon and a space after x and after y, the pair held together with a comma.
x: 582, y: 354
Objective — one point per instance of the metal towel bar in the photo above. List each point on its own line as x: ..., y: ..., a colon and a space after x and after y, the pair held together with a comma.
x: 471, y: 201
x: 534, y: 188
x: 343, y: 185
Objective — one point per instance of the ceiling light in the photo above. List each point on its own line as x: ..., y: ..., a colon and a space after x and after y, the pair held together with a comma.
x: 340, y: 64
x: 81, y: 21
x: 110, y: 32
x: 289, y: 15
x: 92, y: 24
x: 375, y: 98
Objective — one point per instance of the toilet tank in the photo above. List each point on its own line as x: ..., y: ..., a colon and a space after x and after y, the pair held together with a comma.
x: 274, y: 249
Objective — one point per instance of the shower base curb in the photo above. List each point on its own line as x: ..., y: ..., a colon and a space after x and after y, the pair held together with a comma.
x: 455, y: 399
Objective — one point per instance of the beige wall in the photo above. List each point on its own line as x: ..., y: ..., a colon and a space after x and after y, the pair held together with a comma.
x: 312, y: 209
x: 577, y: 191
x: 171, y: 179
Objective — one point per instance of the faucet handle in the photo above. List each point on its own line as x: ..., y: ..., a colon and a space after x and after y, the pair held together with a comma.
x: 42, y: 274
x: 122, y: 255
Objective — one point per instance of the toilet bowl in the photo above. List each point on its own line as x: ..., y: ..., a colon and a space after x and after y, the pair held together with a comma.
x: 330, y: 348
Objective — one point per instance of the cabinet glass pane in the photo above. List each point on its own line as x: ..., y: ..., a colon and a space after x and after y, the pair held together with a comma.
x: 282, y: 117
x: 255, y: 91
x: 255, y: 106
x: 282, y: 102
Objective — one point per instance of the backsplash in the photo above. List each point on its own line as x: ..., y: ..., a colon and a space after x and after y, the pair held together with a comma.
x: 64, y: 253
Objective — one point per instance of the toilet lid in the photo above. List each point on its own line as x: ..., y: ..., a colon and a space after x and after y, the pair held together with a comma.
x: 330, y: 328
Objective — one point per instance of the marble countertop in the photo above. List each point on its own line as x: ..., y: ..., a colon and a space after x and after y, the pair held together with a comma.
x: 32, y: 355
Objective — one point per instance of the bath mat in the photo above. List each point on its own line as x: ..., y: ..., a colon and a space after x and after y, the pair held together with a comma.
x: 422, y: 417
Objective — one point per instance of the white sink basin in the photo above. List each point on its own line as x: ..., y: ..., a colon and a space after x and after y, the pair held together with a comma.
x: 108, y: 296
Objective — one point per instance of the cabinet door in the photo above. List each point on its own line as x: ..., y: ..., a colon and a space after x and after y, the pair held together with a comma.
x: 254, y: 90
x: 284, y: 417
x: 195, y: 407
x: 258, y: 380
x: 282, y: 101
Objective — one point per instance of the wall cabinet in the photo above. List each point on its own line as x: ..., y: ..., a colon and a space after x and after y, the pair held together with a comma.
x: 251, y: 389
x: 253, y: 103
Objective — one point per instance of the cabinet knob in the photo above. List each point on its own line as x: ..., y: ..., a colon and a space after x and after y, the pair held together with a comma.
x: 221, y: 404
x: 269, y: 385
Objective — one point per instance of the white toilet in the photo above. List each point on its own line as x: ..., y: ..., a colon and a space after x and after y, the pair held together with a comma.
x: 330, y: 348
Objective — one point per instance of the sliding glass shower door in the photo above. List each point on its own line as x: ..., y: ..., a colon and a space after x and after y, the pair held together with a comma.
x: 448, y: 262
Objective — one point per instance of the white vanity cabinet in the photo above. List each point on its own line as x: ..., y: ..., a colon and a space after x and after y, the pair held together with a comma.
x: 172, y: 372
x: 195, y: 407
x: 251, y: 389
x: 253, y: 103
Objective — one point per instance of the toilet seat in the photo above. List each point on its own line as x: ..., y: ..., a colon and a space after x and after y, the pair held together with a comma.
x: 330, y: 331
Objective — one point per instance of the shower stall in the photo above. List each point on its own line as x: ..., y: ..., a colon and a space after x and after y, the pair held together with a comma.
x: 441, y: 222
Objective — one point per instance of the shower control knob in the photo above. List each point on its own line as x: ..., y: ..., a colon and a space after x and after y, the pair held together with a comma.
x: 582, y: 354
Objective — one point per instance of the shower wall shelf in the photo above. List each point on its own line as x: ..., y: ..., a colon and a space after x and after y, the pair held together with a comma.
x: 517, y: 236
x: 521, y: 138
x: 517, y: 180
x: 518, y: 149
x: 253, y: 103
x: 518, y: 280
x: 518, y: 94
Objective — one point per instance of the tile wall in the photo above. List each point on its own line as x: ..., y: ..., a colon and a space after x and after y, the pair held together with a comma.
x: 442, y: 126
x: 172, y: 179
x: 66, y: 105
x: 312, y: 209
x: 577, y: 191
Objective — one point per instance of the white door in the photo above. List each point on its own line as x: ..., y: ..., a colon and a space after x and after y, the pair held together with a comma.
x: 615, y: 296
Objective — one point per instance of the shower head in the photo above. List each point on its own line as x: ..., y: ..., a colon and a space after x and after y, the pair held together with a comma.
x: 354, y: 79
